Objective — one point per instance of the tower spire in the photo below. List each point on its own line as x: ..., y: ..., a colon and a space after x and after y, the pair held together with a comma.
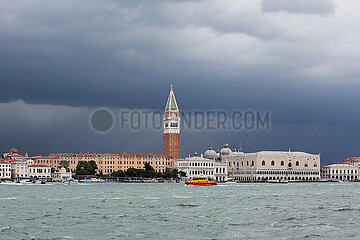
x: 171, y: 127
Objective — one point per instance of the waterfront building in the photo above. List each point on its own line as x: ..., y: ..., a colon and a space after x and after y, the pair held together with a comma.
x: 171, y: 123
x: 19, y: 169
x: 352, y: 160
x: 271, y: 165
x: 198, y: 165
x: 30, y: 161
x: 62, y: 175
x: 107, y: 163
x: 14, y: 155
x: 40, y: 171
x: 220, y: 173
x: 5, y: 169
x: 340, y: 171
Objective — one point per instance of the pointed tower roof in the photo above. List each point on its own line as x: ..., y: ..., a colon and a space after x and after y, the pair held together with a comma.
x: 171, y: 102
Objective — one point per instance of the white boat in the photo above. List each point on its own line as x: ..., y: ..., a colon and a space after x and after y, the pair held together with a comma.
x: 277, y: 181
x: 71, y: 181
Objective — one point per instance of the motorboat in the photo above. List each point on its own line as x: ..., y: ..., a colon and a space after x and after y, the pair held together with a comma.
x: 201, y: 181
x: 92, y: 180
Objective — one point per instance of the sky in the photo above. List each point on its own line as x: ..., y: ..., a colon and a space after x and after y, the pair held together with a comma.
x: 62, y: 60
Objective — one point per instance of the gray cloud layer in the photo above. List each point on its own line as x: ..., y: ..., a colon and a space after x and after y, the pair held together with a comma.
x: 300, y: 59
x: 299, y: 6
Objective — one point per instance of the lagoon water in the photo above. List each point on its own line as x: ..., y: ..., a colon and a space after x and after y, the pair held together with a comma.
x: 176, y: 211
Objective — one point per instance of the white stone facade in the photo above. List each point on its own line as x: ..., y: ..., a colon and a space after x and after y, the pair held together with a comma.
x: 5, y: 170
x: 62, y: 175
x: 19, y: 169
x: 39, y: 171
x: 340, y: 171
x: 272, y: 165
x: 195, y: 166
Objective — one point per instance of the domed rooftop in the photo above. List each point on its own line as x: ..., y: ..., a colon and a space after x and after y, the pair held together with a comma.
x: 210, y: 153
x: 225, y: 150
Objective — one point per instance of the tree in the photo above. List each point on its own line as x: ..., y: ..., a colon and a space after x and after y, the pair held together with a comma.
x: 64, y: 164
x: 182, y: 174
x: 119, y: 173
x: 93, y: 167
x: 89, y: 167
x: 82, y: 172
x: 148, y: 167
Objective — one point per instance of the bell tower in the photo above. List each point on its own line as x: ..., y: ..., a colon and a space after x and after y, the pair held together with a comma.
x: 171, y: 127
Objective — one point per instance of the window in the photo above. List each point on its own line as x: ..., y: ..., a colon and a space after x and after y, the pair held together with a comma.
x: 306, y: 164
x: 263, y: 163
x: 282, y: 163
x: 315, y: 164
x: 289, y: 165
x: 297, y: 163
x: 272, y: 163
x: 173, y: 125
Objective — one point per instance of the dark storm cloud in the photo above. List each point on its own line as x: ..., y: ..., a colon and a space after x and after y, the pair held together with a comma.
x: 299, y: 6
x: 218, y: 54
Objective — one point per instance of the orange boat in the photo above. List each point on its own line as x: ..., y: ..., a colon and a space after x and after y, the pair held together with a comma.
x: 201, y: 181
x: 92, y: 180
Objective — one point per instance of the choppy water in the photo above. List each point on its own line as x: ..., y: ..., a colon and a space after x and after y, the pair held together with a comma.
x: 175, y: 211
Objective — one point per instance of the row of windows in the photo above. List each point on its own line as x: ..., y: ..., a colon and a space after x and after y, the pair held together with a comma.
x: 205, y: 164
x: 113, y: 158
x: 344, y: 171
x: 250, y: 179
x: 282, y: 163
x: 289, y: 172
x: 40, y: 170
x: 201, y: 172
x: 349, y: 178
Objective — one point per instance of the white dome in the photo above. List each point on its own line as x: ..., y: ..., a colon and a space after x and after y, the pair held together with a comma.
x: 225, y: 150
x: 210, y: 153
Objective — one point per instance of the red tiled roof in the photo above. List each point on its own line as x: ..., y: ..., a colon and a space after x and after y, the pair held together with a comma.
x: 139, y: 155
x: 38, y: 165
x: 16, y: 155
x: 4, y: 161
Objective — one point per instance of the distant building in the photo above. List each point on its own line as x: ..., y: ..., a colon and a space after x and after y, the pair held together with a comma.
x: 107, y: 163
x: 352, y: 160
x: 5, y: 169
x: 340, y: 171
x: 270, y: 165
x: 62, y: 175
x: 40, y: 171
x: 30, y: 161
x: 171, y: 127
x: 19, y: 169
x: 195, y: 166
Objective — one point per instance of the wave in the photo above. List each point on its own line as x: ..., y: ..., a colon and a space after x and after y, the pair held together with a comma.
x: 181, y: 197
x: 187, y: 205
x: 6, y: 228
x: 9, y: 198
x: 152, y: 198
x: 344, y: 209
